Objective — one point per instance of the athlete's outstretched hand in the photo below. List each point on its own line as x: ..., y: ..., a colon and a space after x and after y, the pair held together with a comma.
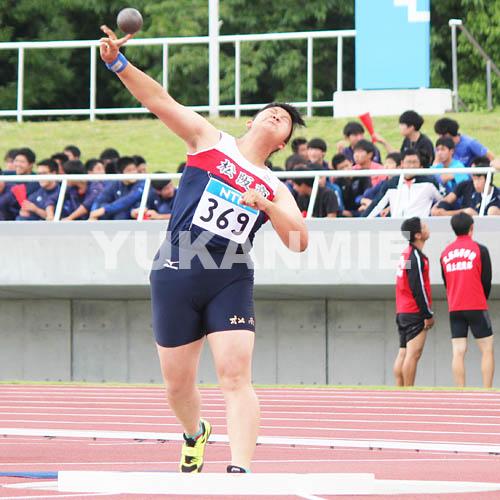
x: 252, y: 198
x: 110, y: 45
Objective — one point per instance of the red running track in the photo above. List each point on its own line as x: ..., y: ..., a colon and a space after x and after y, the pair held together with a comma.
x: 451, y: 417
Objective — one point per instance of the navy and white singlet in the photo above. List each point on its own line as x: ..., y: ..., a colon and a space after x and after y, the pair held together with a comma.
x: 195, y: 288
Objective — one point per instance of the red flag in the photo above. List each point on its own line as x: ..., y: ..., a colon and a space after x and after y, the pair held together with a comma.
x: 367, y: 121
x: 19, y: 192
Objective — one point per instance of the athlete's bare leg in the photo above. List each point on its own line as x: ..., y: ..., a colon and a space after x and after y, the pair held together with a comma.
x: 179, y: 367
x: 414, y: 349
x: 487, y: 360
x: 232, y: 352
x: 398, y: 367
x: 458, y: 364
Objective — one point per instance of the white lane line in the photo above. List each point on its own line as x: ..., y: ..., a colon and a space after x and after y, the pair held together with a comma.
x: 272, y: 440
x: 290, y: 418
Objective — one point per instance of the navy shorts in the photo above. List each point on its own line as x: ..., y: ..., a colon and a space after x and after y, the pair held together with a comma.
x: 478, y: 321
x: 191, y: 302
x: 409, y: 326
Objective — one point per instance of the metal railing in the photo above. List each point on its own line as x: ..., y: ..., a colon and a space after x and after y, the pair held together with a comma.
x: 93, y: 46
x: 490, y: 65
x: 316, y: 174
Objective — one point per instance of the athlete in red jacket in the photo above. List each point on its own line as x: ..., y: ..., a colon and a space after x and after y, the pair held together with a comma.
x: 413, y: 301
x: 466, y: 269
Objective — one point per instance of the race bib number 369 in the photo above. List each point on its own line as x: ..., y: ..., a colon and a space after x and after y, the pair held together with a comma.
x: 220, y: 212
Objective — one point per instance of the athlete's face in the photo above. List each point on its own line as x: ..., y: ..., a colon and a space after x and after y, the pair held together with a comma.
x: 277, y: 124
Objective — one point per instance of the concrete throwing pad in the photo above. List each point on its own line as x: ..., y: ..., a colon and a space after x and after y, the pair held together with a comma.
x: 254, y: 484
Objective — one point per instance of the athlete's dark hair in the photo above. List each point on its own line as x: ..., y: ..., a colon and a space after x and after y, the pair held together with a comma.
x: 447, y: 142
x: 307, y: 181
x: 60, y: 157
x: 28, y: 153
x: 10, y: 154
x: 395, y: 156
x: 53, y: 167
x: 160, y: 184
x: 75, y: 151
x: 411, y: 119
x: 480, y: 160
x: 353, y: 128
x: 411, y: 152
x: 124, y: 162
x: 446, y: 126
x: 90, y: 164
x: 365, y: 146
x: 338, y: 159
x: 109, y: 154
x: 461, y: 223
x: 410, y: 228
x: 297, y: 142
x: 296, y: 117
x: 74, y: 167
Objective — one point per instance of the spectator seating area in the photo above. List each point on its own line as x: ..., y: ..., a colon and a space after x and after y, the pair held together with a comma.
x: 337, y: 195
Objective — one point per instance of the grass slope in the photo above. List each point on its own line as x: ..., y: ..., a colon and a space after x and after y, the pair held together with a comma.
x: 164, y: 151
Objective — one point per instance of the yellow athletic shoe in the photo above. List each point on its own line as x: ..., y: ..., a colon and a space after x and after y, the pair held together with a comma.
x: 194, y: 449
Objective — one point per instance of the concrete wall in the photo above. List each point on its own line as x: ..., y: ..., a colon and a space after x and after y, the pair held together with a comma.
x: 314, y: 341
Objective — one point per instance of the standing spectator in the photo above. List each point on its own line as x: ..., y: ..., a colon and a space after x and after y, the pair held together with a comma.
x: 445, y: 147
x: 120, y: 197
x: 354, y: 132
x: 160, y: 201
x: 40, y: 205
x: 72, y: 152
x: 418, y: 192
x: 9, y: 159
x: 466, y: 270
x: 410, y: 123
x: 325, y: 205
x: 80, y: 195
x: 466, y: 148
x: 299, y: 152
x: 60, y: 159
x: 142, y: 166
x: 9, y: 207
x: 94, y: 166
x: 468, y: 196
x: 364, y: 152
x: 414, y: 315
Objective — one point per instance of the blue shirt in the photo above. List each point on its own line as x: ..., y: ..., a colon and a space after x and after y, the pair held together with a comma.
x: 161, y: 205
x: 448, y: 187
x: 9, y: 207
x: 467, y: 149
x: 74, y: 199
x: 118, y: 199
x: 42, y: 198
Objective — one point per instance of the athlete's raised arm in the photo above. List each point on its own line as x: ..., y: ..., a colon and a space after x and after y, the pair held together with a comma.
x: 196, y: 132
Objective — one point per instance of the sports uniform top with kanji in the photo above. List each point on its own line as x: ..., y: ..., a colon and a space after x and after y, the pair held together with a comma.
x: 207, y: 201
x: 413, y: 287
x: 466, y: 270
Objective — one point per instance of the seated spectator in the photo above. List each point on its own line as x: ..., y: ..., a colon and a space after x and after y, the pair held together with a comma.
x: 364, y: 151
x: 296, y: 161
x: 9, y: 207
x: 328, y: 183
x: 94, y: 166
x: 72, y: 152
x: 109, y: 155
x: 316, y: 152
x: 80, y: 195
x: 393, y: 160
x: 325, y: 205
x: 299, y: 150
x: 60, y: 159
x: 410, y: 123
x: 466, y: 148
x: 120, y: 197
x: 417, y: 196
x: 354, y: 132
x: 445, y: 147
x: 9, y: 159
x: 468, y: 196
x: 352, y: 187
x: 160, y: 200
x: 142, y: 167
x: 23, y: 165
x: 40, y: 205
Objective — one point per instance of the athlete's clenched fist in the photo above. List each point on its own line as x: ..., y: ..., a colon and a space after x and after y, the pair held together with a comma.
x: 254, y: 199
